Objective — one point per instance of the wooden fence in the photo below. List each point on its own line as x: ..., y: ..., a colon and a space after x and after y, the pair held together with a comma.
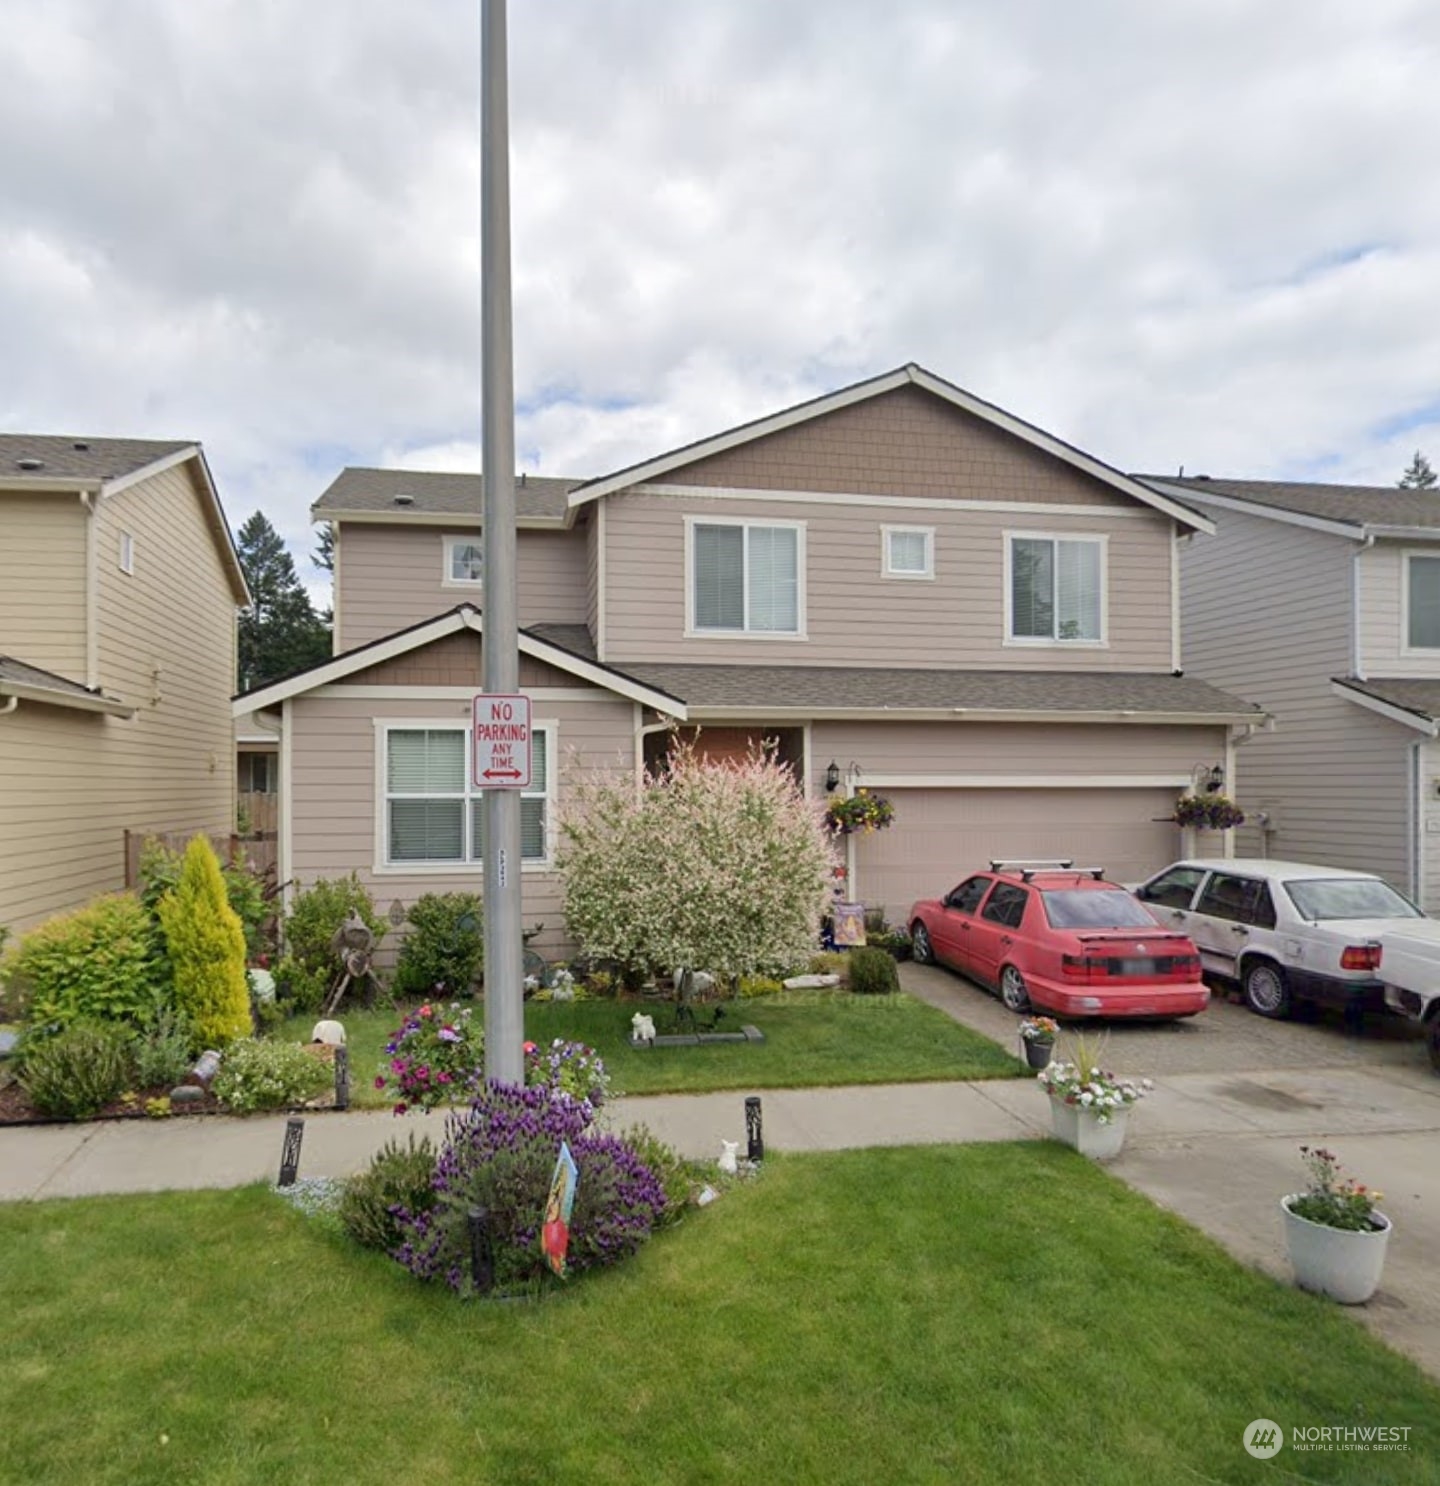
x: 259, y: 851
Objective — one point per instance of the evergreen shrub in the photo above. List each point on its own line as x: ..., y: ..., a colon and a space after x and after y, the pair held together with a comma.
x: 76, y: 1073
x: 399, y: 1176
x: 873, y: 973
x: 444, y: 950
x: 310, y: 967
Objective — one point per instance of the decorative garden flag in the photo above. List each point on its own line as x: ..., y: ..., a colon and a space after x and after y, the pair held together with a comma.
x: 555, y: 1235
x: 849, y: 924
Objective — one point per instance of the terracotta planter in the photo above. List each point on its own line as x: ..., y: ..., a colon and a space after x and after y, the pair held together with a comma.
x: 1336, y: 1262
x: 1038, y: 1054
x: 1080, y: 1128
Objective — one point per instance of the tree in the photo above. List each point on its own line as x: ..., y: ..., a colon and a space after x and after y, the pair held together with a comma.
x: 323, y: 556
x: 1419, y: 475
x: 715, y: 865
x: 280, y: 633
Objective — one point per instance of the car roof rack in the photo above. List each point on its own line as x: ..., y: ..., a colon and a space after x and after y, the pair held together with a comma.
x: 1035, y: 864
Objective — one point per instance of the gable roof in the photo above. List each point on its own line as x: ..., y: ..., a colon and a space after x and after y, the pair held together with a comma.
x: 462, y: 617
x: 104, y: 467
x: 1415, y: 703
x: 359, y: 494
x: 1349, y: 510
x: 30, y: 683
x: 905, y: 376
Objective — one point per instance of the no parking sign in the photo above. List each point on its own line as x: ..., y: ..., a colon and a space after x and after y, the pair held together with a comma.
x: 502, y: 742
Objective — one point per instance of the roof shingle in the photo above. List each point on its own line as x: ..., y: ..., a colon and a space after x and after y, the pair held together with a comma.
x: 438, y: 493
x: 78, y: 458
x: 1354, y: 505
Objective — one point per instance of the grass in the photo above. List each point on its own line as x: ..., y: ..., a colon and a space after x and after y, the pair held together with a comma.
x: 985, y: 1314
x: 809, y: 1042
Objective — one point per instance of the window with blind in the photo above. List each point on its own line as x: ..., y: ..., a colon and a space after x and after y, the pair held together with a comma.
x: 1056, y: 588
x: 434, y: 815
x: 1422, y: 590
x: 745, y: 578
x: 464, y: 561
x: 909, y: 551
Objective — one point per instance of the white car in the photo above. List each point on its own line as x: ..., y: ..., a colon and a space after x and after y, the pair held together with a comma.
x: 1287, y: 932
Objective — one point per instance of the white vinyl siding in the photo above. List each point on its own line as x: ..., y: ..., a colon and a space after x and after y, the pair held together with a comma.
x: 1055, y: 589
x: 909, y: 551
x: 464, y: 562
x: 433, y: 812
x: 746, y: 578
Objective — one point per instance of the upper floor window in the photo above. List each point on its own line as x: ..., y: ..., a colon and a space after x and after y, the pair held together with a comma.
x: 746, y: 577
x: 127, y: 552
x: 464, y: 561
x: 909, y: 551
x: 1422, y: 617
x: 1055, y: 589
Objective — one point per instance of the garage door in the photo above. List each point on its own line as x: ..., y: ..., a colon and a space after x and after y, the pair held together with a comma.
x: 941, y: 835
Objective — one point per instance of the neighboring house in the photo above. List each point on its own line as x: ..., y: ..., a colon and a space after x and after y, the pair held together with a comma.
x: 946, y: 603
x: 119, y: 585
x: 257, y: 776
x: 1322, y: 603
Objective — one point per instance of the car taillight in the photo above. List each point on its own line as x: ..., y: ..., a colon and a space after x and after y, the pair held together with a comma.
x: 1079, y: 967
x: 1360, y: 957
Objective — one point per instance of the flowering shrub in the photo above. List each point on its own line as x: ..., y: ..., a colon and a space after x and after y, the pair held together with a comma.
x: 269, y: 1075
x: 1212, y: 812
x: 1332, y: 1202
x: 1039, y: 1029
x: 861, y: 812
x: 568, y: 1068
x: 1083, y: 1082
x: 434, y: 1058
x: 500, y: 1154
x: 718, y: 864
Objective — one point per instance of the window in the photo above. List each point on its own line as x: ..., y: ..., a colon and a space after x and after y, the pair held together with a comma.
x: 258, y: 773
x: 464, y: 562
x: 1173, y: 889
x: 909, y: 551
x: 433, y: 814
x: 1422, y: 586
x: 966, y: 898
x: 1078, y: 908
x: 1056, y: 585
x: 1243, y: 900
x: 1006, y: 905
x: 127, y: 552
x: 746, y: 578
x: 1324, y: 898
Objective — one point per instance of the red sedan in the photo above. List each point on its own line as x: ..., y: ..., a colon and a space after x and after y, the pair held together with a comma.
x: 1062, y: 940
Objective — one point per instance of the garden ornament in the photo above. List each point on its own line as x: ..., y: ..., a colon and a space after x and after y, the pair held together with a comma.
x: 354, y: 944
x: 642, y: 1028
x: 727, y: 1162
x: 329, y: 1032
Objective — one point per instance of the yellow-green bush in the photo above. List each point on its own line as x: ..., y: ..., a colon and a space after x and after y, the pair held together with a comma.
x: 758, y: 985
x: 206, y: 944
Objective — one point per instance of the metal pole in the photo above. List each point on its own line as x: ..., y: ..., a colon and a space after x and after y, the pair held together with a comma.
x: 504, y: 949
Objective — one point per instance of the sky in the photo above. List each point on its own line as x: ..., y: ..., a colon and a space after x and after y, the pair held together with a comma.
x: 1200, y: 233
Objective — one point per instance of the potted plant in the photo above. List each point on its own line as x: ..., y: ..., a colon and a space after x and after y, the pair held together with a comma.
x: 1037, y: 1035
x: 862, y: 811
x: 1335, y: 1235
x: 1209, y: 812
x: 1089, y: 1105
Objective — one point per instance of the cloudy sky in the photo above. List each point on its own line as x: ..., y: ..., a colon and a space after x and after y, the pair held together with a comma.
x: 1198, y: 232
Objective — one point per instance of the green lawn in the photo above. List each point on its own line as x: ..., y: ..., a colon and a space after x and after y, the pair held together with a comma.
x: 812, y: 1041
x: 982, y: 1314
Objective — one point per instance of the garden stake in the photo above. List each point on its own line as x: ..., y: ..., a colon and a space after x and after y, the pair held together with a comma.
x: 342, y: 1077
x: 482, y: 1256
x: 755, y: 1149
x: 290, y: 1152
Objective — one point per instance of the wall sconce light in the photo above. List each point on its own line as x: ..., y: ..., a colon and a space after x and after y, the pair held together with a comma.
x: 1214, y: 780
x: 832, y: 778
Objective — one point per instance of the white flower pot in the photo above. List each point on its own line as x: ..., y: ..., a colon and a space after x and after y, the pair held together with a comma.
x: 1344, y: 1265
x: 1081, y: 1128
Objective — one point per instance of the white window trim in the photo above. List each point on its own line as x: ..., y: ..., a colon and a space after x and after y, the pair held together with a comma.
x: 1029, y: 642
x: 887, y: 568
x: 448, y: 543
x: 1406, y: 648
x: 127, y: 553
x: 383, y: 867
x: 694, y: 633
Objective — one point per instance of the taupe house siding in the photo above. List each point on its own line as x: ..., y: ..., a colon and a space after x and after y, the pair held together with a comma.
x: 1267, y: 614
x: 72, y: 783
x: 42, y: 581
x: 1384, y: 625
x: 391, y: 576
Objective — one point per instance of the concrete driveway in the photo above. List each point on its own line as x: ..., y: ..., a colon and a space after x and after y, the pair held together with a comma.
x: 1236, y: 1096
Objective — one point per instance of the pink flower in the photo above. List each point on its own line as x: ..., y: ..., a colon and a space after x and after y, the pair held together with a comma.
x: 530, y: 1047
x: 424, y: 1011
x: 380, y: 1081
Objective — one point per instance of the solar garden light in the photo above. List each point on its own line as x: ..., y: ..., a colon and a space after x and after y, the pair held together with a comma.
x: 482, y: 1253
x: 755, y: 1147
x: 290, y: 1151
x: 342, y: 1077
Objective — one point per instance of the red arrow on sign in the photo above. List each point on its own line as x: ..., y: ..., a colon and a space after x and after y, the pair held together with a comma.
x: 502, y: 774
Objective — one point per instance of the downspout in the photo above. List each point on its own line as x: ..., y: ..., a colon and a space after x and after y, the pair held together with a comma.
x: 1176, y: 659
x: 9, y: 706
x: 1415, y: 866
x: 1357, y: 662
x: 92, y: 571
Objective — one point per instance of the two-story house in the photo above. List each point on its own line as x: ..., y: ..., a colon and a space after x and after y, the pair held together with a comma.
x: 1322, y: 602
x: 119, y: 585
x: 906, y: 587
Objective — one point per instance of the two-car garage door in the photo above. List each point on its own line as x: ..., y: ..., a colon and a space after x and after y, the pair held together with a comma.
x: 941, y: 835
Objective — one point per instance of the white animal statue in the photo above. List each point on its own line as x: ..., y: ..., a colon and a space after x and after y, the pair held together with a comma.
x: 642, y: 1027
x: 727, y: 1162
x: 330, y: 1032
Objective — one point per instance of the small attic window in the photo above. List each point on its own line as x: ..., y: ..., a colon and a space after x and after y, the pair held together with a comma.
x: 127, y: 552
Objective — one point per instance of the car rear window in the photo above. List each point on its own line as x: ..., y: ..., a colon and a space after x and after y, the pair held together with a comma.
x: 1349, y: 897
x: 1077, y: 908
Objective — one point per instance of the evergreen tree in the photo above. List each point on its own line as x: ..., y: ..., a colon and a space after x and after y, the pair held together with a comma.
x: 324, y: 555
x: 1419, y: 475
x: 280, y: 633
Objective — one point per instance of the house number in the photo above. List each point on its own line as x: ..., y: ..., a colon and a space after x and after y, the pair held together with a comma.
x: 503, y: 864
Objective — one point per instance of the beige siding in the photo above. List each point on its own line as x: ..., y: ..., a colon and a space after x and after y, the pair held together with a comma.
x: 391, y: 577
x: 1383, y: 621
x: 457, y: 660
x: 42, y: 581
x: 856, y: 616
x: 1266, y: 614
x: 336, y: 792
x: 71, y: 783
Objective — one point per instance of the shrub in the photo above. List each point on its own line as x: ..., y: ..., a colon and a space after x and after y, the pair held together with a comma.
x: 162, y: 1051
x: 76, y: 1073
x: 398, y: 1177
x: 568, y: 1068
x: 258, y: 1075
x: 444, y: 949
x: 244, y: 889
x: 310, y: 967
x: 831, y: 962
x: 759, y: 985
x: 674, y: 1173
x: 94, y: 962
x: 873, y: 973
x: 500, y: 1155
x: 206, y: 947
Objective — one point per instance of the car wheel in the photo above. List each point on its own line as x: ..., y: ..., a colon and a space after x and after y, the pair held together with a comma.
x: 1013, y: 992
x: 1267, y: 992
x: 921, y: 950
x: 1434, y: 1040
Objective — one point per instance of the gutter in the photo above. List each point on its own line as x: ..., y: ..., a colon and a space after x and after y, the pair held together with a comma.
x: 17, y: 691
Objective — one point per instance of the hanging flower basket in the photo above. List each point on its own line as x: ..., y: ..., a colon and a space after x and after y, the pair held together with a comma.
x: 1209, y: 812
x: 861, y: 811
